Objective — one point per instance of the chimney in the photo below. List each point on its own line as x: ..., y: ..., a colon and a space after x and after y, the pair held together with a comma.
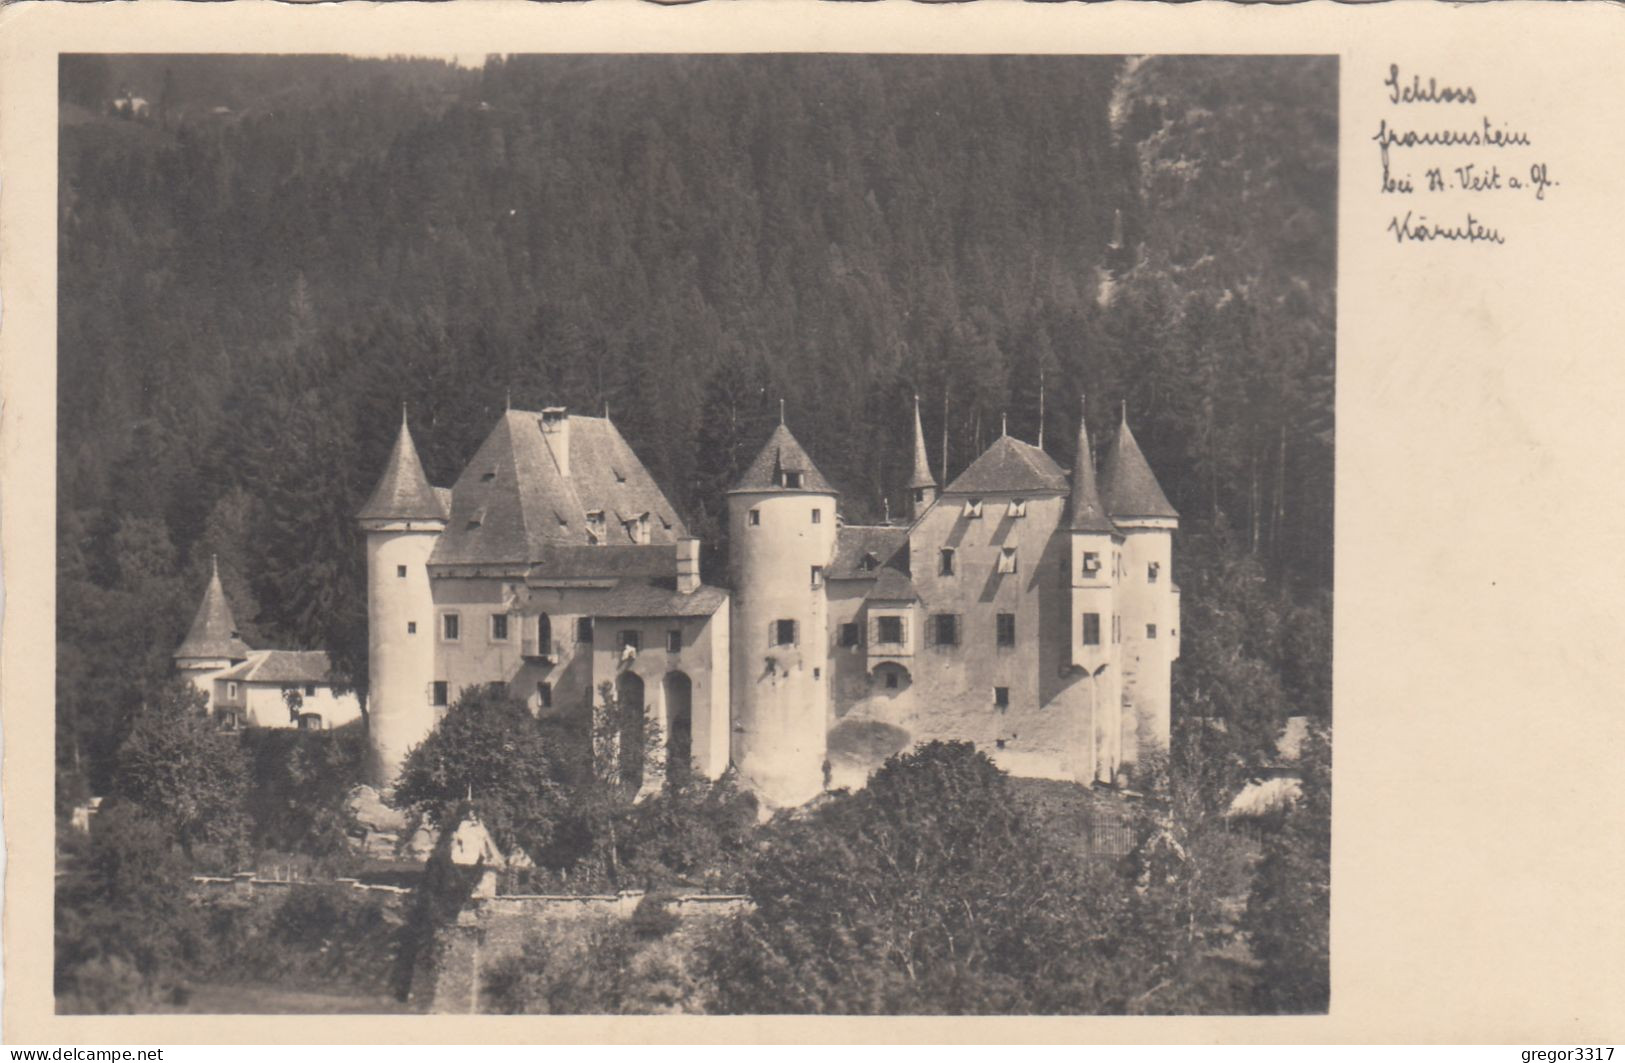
x: 688, y: 565
x: 556, y: 430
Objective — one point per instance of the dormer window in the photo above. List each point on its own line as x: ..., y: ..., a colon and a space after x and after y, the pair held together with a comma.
x: 487, y: 476
x: 1007, y: 560
x: 1018, y: 507
x: 869, y: 562
x: 1091, y: 564
x: 620, y: 477
x: 595, y: 527
x: 637, y: 529
x: 973, y: 509
x: 792, y: 480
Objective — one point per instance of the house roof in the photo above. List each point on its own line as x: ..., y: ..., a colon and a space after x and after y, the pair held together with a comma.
x: 403, y: 492
x: 513, y: 502
x: 855, y: 542
x: 892, y: 585
x: 922, y: 465
x: 634, y: 598
x: 1127, y: 484
x: 214, y: 631
x: 1085, y: 511
x: 283, y: 666
x: 780, y: 454
x: 1010, y: 466
x: 604, y: 562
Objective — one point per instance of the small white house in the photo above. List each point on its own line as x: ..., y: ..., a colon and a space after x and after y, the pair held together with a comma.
x: 283, y: 688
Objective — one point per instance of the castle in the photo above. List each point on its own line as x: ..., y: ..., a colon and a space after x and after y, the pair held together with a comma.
x: 1026, y: 610
x: 1023, y: 608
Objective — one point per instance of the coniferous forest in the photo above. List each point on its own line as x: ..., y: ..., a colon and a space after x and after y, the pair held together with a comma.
x: 262, y: 264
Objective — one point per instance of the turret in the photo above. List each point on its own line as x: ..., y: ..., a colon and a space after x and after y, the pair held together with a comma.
x: 781, y: 519
x: 1147, y: 597
x: 212, y: 644
x: 403, y: 520
x: 1096, y: 627
x: 922, y: 489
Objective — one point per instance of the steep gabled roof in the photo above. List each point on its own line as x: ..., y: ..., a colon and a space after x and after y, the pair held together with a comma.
x: 214, y: 631
x: 1127, y: 484
x: 892, y: 585
x: 783, y: 454
x: 1010, y: 466
x: 854, y: 543
x: 922, y: 465
x: 1085, y: 512
x: 513, y: 503
x: 403, y: 492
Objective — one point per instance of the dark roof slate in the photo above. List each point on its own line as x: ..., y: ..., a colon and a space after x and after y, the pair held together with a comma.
x: 1127, y: 484
x: 892, y: 585
x: 403, y: 492
x: 1085, y: 512
x: 782, y: 453
x: 1010, y: 466
x: 854, y: 542
x: 214, y: 631
x: 513, y: 504
x: 634, y: 599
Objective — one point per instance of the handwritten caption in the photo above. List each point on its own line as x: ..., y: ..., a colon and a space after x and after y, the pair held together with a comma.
x: 1448, y: 164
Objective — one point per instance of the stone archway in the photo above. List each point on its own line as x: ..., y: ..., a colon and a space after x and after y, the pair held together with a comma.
x: 679, y: 692
x: 629, y: 693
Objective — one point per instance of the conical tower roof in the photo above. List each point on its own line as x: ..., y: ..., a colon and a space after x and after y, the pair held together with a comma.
x: 1086, y: 512
x: 922, y: 465
x: 403, y: 492
x: 1128, y: 485
x: 214, y: 632
x: 782, y: 455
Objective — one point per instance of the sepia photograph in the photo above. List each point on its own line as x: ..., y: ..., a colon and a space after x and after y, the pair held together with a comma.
x: 699, y: 534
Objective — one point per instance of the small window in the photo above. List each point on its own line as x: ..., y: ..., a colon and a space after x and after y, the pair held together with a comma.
x: 1007, y: 560
x: 231, y: 691
x: 1150, y: 631
x: 784, y: 632
x: 451, y: 627
x: 631, y: 640
x: 755, y: 517
x: 849, y: 635
x: 487, y: 476
x: 818, y: 575
x: 973, y: 509
x: 792, y: 480
x: 945, y: 562
x: 1001, y: 697
x: 1018, y: 507
x: 889, y: 630
x: 1117, y: 629
x: 947, y: 629
x: 584, y: 629
x: 1007, y: 629
x: 1152, y: 571
x: 919, y: 494
x: 437, y: 692
x: 674, y: 641
x: 411, y: 627
x: 400, y: 571
x: 869, y: 563
x: 1091, y: 629
x: 310, y: 721
x: 499, y: 627
x: 1091, y: 564
x: 310, y: 690
x: 818, y: 516
x: 891, y: 679
x: 544, y: 695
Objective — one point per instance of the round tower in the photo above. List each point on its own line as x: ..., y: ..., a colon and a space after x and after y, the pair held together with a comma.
x: 212, y: 644
x: 1148, y: 598
x: 1094, y: 563
x: 781, y: 521
x: 403, y: 520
